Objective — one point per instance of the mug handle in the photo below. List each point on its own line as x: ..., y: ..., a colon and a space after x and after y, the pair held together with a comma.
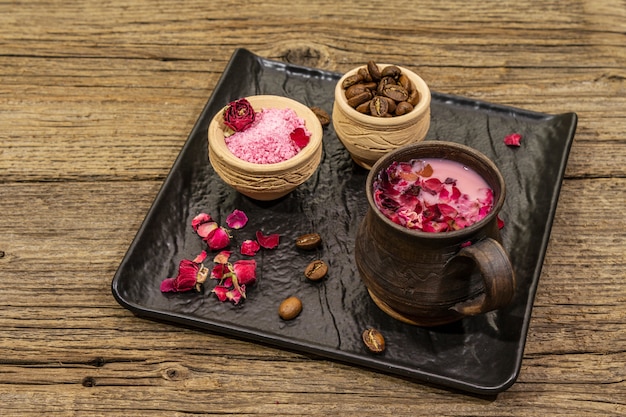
x: 498, y: 277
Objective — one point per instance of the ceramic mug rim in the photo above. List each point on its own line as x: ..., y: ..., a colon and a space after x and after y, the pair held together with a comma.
x: 428, y: 146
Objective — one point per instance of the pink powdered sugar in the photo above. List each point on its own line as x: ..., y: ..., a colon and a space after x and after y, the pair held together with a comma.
x: 267, y: 140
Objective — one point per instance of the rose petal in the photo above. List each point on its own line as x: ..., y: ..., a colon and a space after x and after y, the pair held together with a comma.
x: 300, y: 137
x: 200, y: 258
x: 237, y: 219
x: 250, y: 247
x: 222, y: 257
x: 205, y: 229
x: 514, y: 139
x: 500, y: 222
x: 236, y: 294
x: 220, y: 291
x: 219, y: 270
x: 218, y: 239
x: 200, y: 219
x: 245, y: 270
x: 267, y: 241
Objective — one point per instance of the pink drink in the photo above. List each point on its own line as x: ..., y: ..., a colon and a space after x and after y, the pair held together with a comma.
x: 432, y: 195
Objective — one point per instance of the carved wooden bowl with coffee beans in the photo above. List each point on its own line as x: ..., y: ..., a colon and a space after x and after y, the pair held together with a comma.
x: 378, y: 108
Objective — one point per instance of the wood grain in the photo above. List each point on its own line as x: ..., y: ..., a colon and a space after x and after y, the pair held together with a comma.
x: 98, y: 97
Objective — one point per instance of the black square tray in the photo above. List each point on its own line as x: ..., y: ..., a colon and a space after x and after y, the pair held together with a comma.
x: 480, y: 354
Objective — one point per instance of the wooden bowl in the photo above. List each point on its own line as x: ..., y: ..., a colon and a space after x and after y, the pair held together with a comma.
x: 266, y: 181
x: 366, y: 137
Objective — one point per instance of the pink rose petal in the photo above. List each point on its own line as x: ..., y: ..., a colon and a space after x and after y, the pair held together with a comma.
x: 245, y: 270
x: 219, y: 270
x: 205, y: 229
x: 200, y: 219
x: 220, y: 291
x: 267, y: 241
x: 237, y: 219
x: 250, y: 247
x: 201, y: 257
x: 514, y: 139
x: 218, y: 238
x: 300, y: 137
x: 236, y: 294
x: 222, y: 257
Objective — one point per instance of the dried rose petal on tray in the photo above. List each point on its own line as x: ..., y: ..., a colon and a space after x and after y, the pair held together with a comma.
x: 514, y: 139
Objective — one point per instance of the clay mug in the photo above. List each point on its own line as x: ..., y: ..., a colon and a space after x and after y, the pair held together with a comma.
x: 434, y: 278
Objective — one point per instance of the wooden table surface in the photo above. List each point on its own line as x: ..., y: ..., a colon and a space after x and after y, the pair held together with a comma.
x: 98, y: 97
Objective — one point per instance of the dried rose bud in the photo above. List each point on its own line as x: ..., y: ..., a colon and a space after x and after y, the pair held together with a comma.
x: 239, y: 115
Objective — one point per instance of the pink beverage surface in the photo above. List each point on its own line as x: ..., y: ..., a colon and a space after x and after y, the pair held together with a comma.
x: 432, y: 195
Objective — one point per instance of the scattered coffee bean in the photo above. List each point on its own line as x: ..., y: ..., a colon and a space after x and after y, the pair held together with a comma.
x: 322, y: 115
x: 316, y: 270
x: 374, y: 340
x: 366, y: 90
x: 290, y: 308
x: 308, y: 241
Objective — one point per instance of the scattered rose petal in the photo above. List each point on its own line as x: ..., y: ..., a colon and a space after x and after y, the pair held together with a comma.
x: 201, y: 257
x: 500, y: 222
x: 219, y: 271
x: 237, y: 219
x: 267, y: 241
x: 222, y: 257
x: 466, y: 244
x: 200, y: 219
x: 245, y: 270
x: 300, y: 137
x: 514, y: 139
x: 250, y: 247
x: 236, y: 294
x: 218, y: 238
x: 220, y: 291
x: 205, y: 229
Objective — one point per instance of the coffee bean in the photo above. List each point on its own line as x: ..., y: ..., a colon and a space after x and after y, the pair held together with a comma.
x: 378, y: 106
x: 391, y: 104
x: 391, y: 71
x: 359, y: 98
x: 414, y: 97
x: 355, y: 90
x: 308, y: 241
x: 374, y: 340
x: 322, y: 115
x: 316, y: 270
x: 405, y: 82
x: 403, y: 108
x: 384, y: 82
x: 290, y: 308
x: 374, y: 71
x: 364, y: 107
x: 395, y: 92
x: 351, y: 80
x: 365, y: 75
